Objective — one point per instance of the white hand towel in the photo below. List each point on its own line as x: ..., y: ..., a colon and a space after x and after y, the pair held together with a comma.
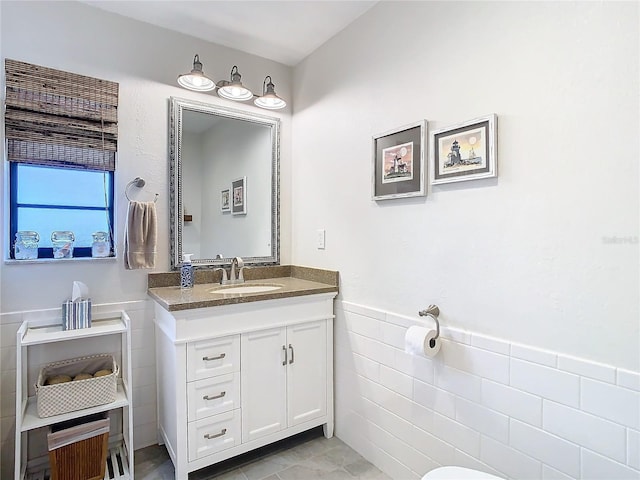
x: 140, y: 236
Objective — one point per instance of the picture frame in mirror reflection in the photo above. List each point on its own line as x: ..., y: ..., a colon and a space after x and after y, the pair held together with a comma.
x: 465, y: 151
x: 225, y: 204
x: 239, y: 196
x: 398, y: 169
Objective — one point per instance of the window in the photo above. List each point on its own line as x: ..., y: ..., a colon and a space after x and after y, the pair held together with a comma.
x: 62, y: 134
x: 48, y: 199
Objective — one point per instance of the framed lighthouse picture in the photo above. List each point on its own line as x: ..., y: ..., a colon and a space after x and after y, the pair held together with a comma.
x: 466, y: 151
x: 398, y: 162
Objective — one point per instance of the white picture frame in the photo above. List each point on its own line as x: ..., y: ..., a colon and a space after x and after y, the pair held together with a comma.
x: 464, y: 151
x: 398, y: 162
x: 225, y: 200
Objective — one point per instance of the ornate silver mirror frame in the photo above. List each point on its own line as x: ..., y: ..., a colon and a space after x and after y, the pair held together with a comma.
x: 178, y: 107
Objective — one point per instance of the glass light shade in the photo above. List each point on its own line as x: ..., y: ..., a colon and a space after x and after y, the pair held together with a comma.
x: 235, y: 91
x: 199, y: 83
x: 270, y: 102
x: 196, y: 79
x: 269, y: 99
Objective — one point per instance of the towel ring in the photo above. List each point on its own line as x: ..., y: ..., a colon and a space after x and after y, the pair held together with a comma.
x: 433, y: 311
x: 138, y: 182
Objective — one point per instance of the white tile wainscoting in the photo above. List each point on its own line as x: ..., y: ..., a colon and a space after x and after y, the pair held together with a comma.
x: 143, y: 373
x: 482, y: 402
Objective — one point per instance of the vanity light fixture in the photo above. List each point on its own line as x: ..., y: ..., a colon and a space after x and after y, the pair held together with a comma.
x: 196, y: 79
x: 231, y: 89
x: 269, y: 99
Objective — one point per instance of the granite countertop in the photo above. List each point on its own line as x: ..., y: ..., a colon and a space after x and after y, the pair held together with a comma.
x: 295, y: 281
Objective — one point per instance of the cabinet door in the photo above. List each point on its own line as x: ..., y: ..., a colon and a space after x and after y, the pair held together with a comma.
x: 307, y: 372
x: 263, y: 383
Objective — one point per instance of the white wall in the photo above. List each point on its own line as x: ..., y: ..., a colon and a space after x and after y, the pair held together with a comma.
x: 192, y: 196
x: 211, y: 161
x: 145, y: 60
x: 233, y: 149
x: 535, y: 272
x: 528, y: 256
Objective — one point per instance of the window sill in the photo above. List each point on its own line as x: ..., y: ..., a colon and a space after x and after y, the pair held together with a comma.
x: 11, y: 261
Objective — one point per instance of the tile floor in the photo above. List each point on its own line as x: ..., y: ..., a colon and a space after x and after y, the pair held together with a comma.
x: 308, y: 456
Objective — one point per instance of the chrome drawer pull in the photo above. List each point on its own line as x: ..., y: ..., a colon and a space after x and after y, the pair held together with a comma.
x: 219, y: 357
x: 207, y: 397
x: 284, y: 349
x: 222, y: 432
x: 291, y: 348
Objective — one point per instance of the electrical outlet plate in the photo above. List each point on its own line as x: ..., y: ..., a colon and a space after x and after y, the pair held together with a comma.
x: 320, y: 239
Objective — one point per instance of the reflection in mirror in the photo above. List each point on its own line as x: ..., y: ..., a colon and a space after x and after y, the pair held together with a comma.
x: 224, y: 185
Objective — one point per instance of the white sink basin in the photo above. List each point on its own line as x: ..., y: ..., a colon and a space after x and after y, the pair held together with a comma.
x: 255, y: 288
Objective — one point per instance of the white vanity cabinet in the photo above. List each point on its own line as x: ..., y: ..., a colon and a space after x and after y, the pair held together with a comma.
x: 232, y: 378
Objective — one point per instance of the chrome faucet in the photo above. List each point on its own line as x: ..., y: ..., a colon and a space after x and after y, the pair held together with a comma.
x: 237, y: 264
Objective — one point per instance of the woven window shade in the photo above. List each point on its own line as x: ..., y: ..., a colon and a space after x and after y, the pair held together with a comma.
x: 61, y: 119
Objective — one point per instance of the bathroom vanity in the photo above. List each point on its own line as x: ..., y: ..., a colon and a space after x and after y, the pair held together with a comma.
x: 244, y: 365
x: 237, y: 371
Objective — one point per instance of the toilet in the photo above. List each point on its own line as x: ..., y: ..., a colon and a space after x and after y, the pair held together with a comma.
x: 458, y: 473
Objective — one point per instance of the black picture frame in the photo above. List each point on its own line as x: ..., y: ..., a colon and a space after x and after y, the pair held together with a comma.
x: 239, y: 196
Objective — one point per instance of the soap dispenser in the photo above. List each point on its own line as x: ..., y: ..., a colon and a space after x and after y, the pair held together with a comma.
x: 186, y: 271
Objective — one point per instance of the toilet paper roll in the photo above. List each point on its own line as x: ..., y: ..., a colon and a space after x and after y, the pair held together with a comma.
x: 421, y: 341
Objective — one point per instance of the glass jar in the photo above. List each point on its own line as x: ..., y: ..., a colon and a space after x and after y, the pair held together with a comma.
x: 62, y: 242
x: 101, y: 246
x: 26, y: 246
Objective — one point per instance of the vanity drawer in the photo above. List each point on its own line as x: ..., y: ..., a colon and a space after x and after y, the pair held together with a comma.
x: 213, y: 434
x: 214, y: 395
x: 217, y: 356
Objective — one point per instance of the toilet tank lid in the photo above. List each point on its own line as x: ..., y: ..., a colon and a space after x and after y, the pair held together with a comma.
x: 458, y: 473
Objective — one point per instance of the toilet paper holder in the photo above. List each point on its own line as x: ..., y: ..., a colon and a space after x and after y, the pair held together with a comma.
x: 432, y: 311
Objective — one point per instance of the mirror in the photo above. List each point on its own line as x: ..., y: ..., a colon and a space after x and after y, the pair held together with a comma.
x: 224, y: 198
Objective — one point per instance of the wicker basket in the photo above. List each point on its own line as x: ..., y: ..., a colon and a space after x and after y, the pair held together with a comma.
x: 78, y: 449
x: 76, y: 395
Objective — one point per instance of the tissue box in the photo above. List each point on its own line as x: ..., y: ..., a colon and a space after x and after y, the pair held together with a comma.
x: 76, y: 314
